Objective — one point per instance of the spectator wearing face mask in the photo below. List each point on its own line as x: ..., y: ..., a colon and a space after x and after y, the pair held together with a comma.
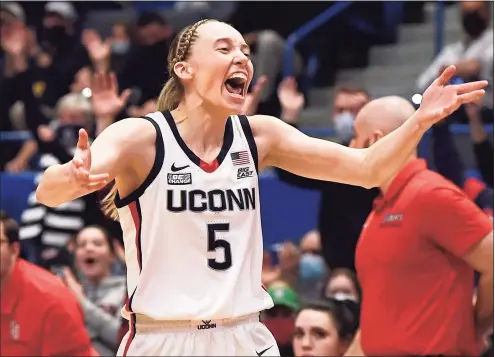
x: 280, y: 318
x: 312, y: 268
x: 343, y: 208
x: 347, y: 103
x: 342, y: 284
x: 120, y: 44
x: 303, y: 267
x: 99, y: 292
x: 325, y: 328
x: 59, y: 53
x: 154, y: 36
x: 107, y: 54
x: 472, y: 54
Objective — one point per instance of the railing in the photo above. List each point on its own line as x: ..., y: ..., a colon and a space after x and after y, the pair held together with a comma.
x: 316, y: 132
x: 306, y: 29
x: 15, y: 136
x: 439, y: 25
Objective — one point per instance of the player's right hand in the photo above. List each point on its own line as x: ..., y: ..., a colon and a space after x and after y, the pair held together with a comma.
x: 81, y: 165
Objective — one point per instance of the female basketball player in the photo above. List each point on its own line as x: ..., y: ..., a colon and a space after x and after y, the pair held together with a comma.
x: 187, y: 194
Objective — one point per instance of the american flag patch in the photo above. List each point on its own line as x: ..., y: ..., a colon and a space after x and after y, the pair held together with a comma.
x: 240, y: 158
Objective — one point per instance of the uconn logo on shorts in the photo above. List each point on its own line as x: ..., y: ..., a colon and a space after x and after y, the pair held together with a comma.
x: 206, y: 325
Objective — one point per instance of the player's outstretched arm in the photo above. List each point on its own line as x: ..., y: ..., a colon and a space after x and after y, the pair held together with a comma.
x: 291, y: 150
x: 93, y: 166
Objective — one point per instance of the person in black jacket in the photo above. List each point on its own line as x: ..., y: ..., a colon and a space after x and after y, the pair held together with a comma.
x: 482, y: 146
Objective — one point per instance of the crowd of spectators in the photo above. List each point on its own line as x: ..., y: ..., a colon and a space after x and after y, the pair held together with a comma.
x: 59, y: 76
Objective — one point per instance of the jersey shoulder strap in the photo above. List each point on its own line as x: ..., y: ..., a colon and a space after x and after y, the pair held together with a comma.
x: 248, y: 135
x: 155, y: 169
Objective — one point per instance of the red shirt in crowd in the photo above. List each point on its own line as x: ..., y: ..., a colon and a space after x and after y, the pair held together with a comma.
x: 40, y: 316
x: 417, y: 291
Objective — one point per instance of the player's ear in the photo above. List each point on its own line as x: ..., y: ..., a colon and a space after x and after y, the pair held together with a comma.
x: 183, y: 70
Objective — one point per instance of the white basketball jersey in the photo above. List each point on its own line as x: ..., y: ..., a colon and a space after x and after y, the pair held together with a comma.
x: 192, y: 231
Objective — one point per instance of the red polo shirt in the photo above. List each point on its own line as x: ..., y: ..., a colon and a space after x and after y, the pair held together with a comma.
x: 417, y: 291
x: 40, y: 316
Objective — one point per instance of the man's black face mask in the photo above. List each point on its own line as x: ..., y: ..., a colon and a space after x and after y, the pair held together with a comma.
x: 474, y: 23
x: 55, y: 36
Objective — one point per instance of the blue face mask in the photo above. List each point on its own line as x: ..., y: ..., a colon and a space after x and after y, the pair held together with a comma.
x: 311, y: 267
x: 344, y: 126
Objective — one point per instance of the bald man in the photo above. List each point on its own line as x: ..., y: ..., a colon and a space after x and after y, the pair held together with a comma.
x: 416, y: 257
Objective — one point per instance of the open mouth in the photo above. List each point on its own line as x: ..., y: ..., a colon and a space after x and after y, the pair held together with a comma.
x: 236, y: 84
x: 89, y: 261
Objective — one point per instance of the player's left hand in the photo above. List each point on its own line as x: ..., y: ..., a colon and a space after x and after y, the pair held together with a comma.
x: 442, y: 99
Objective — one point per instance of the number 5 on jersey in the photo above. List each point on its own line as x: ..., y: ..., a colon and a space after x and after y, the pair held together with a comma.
x: 215, y: 243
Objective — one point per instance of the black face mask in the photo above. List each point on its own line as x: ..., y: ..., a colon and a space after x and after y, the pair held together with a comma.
x: 56, y: 36
x: 159, y: 47
x: 474, y: 24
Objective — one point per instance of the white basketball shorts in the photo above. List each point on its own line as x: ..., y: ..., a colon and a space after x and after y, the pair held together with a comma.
x: 243, y: 336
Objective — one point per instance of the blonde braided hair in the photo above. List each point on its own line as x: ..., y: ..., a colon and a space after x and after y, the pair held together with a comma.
x: 173, y: 90
x: 170, y: 95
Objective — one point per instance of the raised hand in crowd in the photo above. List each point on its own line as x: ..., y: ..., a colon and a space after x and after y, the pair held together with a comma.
x: 21, y: 161
x: 69, y: 279
x: 14, y: 39
x: 288, y: 257
x: 270, y: 272
x: 82, y: 80
x: 99, y: 50
x: 105, y: 99
x: 253, y: 98
x: 46, y: 133
x: 291, y: 100
x: 15, y: 165
x: 149, y: 106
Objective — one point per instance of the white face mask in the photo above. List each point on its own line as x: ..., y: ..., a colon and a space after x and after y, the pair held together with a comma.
x: 341, y: 296
x: 344, y: 125
x: 120, y: 47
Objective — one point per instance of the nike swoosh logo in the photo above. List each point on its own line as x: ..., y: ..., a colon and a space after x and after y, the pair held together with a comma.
x: 175, y: 168
x: 261, y: 353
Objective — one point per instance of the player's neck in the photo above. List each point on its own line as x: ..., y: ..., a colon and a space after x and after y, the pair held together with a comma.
x: 384, y: 188
x: 201, y: 127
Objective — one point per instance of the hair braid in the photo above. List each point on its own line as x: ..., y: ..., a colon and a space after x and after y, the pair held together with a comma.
x: 172, y: 92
